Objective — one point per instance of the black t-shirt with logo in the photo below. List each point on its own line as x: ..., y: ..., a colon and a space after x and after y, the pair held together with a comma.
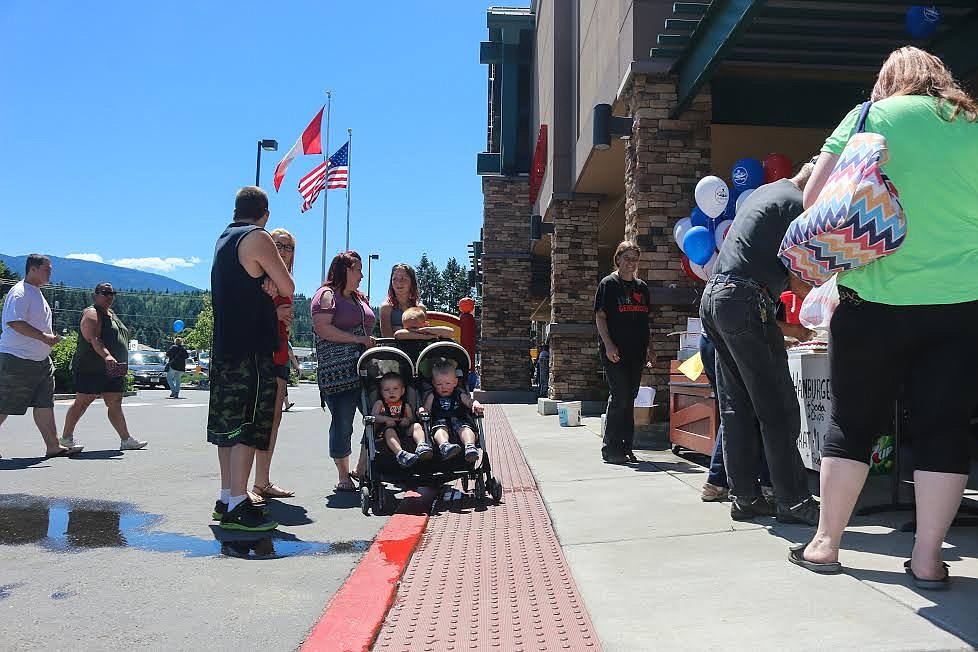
x: 626, y: 306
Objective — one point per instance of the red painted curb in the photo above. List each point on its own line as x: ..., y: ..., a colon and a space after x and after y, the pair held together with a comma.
x: 353, y: 617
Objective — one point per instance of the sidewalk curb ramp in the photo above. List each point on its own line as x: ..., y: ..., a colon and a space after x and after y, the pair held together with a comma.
x: 353, y: 617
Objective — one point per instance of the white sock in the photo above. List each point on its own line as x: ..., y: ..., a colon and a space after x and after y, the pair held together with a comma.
x: 234, y: 501
x: 225, y: 495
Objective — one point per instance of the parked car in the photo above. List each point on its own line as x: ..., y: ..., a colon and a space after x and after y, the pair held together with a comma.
x: 147, y: 368
x: 204, y: 360
x: 308, y: 366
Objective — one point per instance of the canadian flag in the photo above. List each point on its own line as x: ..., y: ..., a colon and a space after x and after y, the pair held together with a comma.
x: 310, y: 142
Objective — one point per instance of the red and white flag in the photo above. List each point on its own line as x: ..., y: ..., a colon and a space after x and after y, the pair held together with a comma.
x: 310, y: 142
x: 312, y: 184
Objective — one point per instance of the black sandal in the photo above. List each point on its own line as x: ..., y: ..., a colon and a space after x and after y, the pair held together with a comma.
x: 796, y: 555
x: 931, y: 585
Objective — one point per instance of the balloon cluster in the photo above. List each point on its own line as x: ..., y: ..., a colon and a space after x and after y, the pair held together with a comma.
x: 702, y: 233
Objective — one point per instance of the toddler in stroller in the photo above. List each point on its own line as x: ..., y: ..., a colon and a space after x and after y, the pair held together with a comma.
x: 452, y: 413
x: 395, y: 416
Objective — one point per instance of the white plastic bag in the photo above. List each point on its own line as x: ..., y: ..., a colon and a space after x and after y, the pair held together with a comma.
x: 817, y: 308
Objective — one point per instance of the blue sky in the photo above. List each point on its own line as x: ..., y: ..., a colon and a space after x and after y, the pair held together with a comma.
x: 127, y: 127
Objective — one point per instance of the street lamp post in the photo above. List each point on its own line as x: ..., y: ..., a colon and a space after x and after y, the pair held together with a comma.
x: 269, y: 146
x: 370, y: 259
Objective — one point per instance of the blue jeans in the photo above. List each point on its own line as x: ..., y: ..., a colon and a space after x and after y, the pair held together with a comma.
x: 173, y: 380
x: 718, y: 472
x: 343, y: 408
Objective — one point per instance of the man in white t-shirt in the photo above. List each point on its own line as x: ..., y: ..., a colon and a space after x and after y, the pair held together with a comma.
x: 26, y: 371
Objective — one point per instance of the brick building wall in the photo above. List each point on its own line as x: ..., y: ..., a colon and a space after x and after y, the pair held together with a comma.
x: 664, y: 161
x: 505, y: 337
x: 574, y: 362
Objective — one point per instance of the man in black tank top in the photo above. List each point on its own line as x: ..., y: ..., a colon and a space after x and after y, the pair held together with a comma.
x: 247, y: 272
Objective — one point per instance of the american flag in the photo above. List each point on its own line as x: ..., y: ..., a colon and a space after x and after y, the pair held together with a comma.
x: 312, y: 184
x: 339, y: 168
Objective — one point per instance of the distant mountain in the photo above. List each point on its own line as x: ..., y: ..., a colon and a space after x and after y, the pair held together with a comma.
x: 86, y: 274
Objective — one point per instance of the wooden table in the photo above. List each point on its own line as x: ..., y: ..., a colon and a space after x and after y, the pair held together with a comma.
x: 694, y: 416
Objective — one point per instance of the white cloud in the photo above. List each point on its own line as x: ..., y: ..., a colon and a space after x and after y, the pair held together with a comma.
x: 93, y: 258
x: 156, y: 264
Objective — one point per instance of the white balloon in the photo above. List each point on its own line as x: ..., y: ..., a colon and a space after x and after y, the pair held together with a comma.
x: 711, y: 195
x: 679, y: 231
x: 720, y: 231
x: 699, y: 271
x: 744, y: 195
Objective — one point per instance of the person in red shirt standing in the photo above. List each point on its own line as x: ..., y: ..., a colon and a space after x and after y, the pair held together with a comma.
x: 264, y: 487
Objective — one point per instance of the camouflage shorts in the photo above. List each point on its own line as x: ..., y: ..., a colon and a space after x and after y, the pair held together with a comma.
x: 242, y: 402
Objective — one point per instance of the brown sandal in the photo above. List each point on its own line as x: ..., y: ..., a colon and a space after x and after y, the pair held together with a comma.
x: 271, y: 490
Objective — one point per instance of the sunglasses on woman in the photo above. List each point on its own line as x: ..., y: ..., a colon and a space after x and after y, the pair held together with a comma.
x: 284, y: 247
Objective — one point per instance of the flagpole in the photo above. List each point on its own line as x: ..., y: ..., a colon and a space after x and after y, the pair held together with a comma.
x: 329, y: 106
x: 349, y: 148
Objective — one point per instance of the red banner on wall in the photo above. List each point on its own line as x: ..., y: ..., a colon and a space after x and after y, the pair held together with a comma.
x: 539, y: 167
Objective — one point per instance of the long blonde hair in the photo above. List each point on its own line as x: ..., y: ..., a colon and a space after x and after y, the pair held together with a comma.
x: 291, y: 239
x: 912, y: 71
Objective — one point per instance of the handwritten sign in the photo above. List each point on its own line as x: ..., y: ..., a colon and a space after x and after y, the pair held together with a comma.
x: 810, y: 375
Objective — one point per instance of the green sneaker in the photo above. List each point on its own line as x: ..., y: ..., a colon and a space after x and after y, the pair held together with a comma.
x: 247, y: 517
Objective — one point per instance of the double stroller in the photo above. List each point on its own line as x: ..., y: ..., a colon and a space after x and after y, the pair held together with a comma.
x: 392, y: 356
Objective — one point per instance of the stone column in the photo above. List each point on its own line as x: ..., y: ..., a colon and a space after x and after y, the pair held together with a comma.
x: 506, y: 305
x: 574, y: 363
x: 664, y: 160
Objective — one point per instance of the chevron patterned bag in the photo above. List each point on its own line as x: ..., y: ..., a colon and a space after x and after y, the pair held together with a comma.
x: 856, y: 219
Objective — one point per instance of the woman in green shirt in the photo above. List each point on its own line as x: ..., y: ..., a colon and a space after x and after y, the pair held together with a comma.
x: 99, y: 367
x: 906, y: 322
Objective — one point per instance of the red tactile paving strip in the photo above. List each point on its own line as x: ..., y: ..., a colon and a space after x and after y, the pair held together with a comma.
x: 494, y: 579
x: 352, y: 618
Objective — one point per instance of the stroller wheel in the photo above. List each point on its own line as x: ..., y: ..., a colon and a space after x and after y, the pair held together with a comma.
x: 495, y: 490
x: 480, y: 490
x: 385, y: 502
x: 365, y: 500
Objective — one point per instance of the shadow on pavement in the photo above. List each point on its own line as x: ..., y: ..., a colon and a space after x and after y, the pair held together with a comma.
x: 676, y: 467
x: 21, y: 463
x: 288, y: 514
x: 343, y: 500
x: 108, y: 454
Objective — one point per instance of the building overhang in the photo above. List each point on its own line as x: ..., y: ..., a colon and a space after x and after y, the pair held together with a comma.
x: 840, y: 39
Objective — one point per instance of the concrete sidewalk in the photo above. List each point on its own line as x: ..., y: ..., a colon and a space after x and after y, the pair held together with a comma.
x: 659, y: 569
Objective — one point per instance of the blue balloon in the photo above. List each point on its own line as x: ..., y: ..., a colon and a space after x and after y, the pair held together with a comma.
x: 699, y: 244
x: 747, y: 173
x: 922, y: 21
x: 178, y: 326
x: 699, y: 218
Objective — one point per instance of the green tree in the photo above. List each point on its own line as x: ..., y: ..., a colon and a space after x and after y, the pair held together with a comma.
x: 201, y: 336
x: 455, y: 282
x: 61, y: 355
x: 6, y: 274
x: 430, y: 285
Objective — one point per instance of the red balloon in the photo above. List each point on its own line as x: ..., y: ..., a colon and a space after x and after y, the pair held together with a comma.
x: 776, y: 166
x: 684, y: 261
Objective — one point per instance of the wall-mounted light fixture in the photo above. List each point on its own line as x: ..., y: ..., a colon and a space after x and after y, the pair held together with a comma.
x: 538, y: 228
x: 607, y: 126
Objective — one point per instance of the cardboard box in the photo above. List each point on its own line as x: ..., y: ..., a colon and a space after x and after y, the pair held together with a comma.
x: 643, y: 416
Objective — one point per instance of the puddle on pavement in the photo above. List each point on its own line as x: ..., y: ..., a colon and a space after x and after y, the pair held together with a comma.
x: 74, y: 525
